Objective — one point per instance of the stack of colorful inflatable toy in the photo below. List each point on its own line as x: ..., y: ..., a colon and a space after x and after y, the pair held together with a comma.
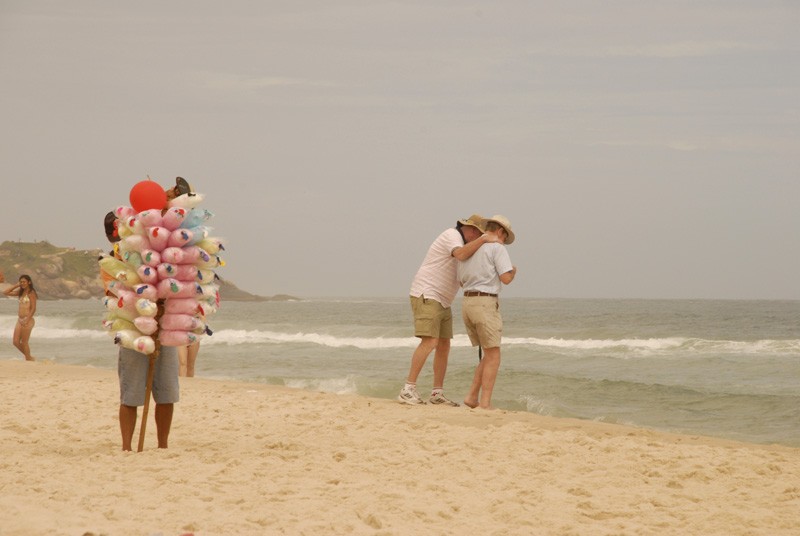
x: 162, y: 282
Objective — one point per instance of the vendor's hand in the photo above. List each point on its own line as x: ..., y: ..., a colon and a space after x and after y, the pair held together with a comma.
x: 490, y: 238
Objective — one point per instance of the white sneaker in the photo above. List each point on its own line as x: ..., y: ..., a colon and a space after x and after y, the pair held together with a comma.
x: 409, y: 396
x: 441, y: 399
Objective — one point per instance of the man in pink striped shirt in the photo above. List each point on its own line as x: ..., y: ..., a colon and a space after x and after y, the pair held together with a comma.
x: 432, y: 292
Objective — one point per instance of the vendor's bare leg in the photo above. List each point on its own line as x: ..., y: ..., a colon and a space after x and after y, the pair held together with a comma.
x: 163, y: 423
x: 491, y: 364
x: 127, y: 423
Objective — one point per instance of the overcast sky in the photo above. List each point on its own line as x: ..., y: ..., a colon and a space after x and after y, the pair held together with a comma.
x: 641, y: 149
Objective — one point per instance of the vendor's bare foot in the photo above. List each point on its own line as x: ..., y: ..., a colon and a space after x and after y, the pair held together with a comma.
x: 487, y: 408
x: 471, y: 403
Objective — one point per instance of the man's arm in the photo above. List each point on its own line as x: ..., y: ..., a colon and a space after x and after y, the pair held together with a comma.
x: 466, y: 251
x: 508, y: 277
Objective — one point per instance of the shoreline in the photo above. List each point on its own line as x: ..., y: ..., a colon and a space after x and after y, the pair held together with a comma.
x: 253, y: 458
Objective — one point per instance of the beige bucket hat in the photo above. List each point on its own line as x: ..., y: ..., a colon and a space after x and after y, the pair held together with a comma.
x: 505, y: 224
x: 476, y: 220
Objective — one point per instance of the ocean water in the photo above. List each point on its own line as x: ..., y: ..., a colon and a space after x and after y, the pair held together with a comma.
x: 728, y: 369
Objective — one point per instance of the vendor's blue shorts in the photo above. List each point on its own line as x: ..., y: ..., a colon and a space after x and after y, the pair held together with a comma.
x: 132, y: 368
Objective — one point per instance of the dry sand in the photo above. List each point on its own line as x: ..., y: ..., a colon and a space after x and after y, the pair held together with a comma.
x: 257, y: 459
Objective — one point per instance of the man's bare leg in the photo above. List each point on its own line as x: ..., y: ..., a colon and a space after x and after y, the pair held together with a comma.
x: 424, y: 348
x: 472, y: 398
x: 491, y: 364
x: 440, y: 363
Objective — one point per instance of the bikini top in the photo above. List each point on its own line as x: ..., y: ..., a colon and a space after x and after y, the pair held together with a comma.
x: 25, y: 299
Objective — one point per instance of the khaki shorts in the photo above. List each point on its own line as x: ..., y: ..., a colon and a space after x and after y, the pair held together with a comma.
x: 431, y: 319
x: 483, y: 321
x: 132, y: 368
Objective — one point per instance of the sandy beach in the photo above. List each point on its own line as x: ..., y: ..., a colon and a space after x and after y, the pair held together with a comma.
x: 258, y: 459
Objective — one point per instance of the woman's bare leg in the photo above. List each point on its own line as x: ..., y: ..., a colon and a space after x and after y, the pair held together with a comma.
x: 22, y: 336
x: 191, y: 358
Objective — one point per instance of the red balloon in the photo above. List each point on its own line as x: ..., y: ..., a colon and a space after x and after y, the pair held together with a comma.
x: 148, y: 195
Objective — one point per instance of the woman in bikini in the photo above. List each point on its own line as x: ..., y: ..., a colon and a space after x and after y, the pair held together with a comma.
x: 27, y: 308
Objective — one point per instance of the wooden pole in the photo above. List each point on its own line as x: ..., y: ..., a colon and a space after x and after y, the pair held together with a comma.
x: 151, y: 372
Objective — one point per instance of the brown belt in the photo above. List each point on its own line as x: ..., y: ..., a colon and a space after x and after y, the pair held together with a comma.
x: 476, y: 293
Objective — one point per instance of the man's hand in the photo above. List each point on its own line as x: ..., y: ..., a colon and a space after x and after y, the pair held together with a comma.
x: 489, y: 238
x: 509, y: 276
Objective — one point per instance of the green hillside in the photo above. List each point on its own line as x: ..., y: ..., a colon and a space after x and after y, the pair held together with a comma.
x: 69, y: 273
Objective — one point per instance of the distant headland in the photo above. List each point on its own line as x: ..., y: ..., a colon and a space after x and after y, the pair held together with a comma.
x: 61, y: 273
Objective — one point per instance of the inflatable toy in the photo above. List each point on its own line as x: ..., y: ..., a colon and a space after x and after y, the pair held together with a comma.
x: 178, y: 322
x: 212, y: 262
x: 126, y: 298
x: 187, y: 201
x: 123, y: 231
x: 125, y: 337
x: 174, y: 218
x: 209, y: 291
x: 180, y: 237
x: 115, y: 311
x: 212, y: 246
x: 133, y: 225
x: 206, y: 309
x: 132, y: 258
x: 150, y: 218
x: 206, y: 276
x: 184, y: 255
x: 114, y: 287
x: 119, y: 270
x: 158, y: 237
x: 146, y: 324
x: 136, y: 243
x: 181, y: 272
x: 147, y: 274
x: 148, y: 292
x: 124, y: 212
x: 172, y: 288
x: 151, y: 258
x: 177, y: 338
x: 133, y: 339
x: 146, y: 307
x: 148, y: 195
x: 185, y: 306
x: 118, y: 324
x: 196, y: 217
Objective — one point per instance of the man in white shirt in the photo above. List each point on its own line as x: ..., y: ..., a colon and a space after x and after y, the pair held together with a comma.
x: 482, y: 277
